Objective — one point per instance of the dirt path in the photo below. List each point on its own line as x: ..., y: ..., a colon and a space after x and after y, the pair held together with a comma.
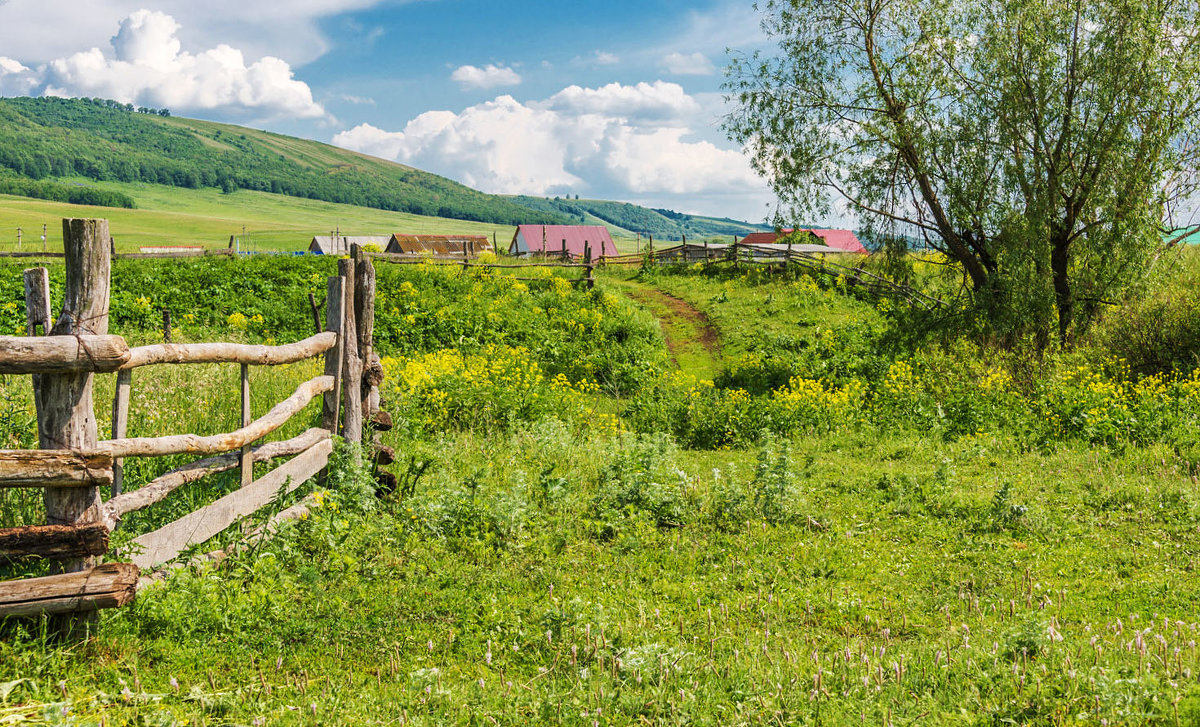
x: 691, y: 337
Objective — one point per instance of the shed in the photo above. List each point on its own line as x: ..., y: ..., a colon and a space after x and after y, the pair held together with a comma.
x: 340, y: 245
x: 551, y: 239
x: 439, y: 244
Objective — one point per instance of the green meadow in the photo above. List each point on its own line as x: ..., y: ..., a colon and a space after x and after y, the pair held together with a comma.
x: 824, y: 517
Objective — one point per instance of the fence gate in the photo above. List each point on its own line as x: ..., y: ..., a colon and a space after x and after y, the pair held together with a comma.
x: 73, y: 466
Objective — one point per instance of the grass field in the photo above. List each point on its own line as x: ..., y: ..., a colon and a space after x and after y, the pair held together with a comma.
x: 206, y: 217
x: 876, y: 532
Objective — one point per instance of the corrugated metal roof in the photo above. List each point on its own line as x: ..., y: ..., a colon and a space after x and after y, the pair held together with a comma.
x: 759, y: 238
x: 439, y: 244
x: 529, y: 240
x: 340, y: 245
x: 841, y: 239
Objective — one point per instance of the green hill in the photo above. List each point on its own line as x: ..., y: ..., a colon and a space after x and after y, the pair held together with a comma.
x: 103, y: 153
x: 45, y: 139
x: 624, y: 218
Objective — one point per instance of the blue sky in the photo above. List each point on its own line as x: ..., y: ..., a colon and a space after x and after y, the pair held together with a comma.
x: 618, y: 100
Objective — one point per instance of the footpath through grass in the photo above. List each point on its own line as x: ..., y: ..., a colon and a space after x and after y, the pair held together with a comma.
x: 690, y: 337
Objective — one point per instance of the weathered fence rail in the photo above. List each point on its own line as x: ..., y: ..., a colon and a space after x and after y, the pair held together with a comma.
x: 73, y: 465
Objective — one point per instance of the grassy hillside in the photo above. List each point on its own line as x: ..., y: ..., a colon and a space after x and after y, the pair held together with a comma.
x: 174, y: 216
x: 630, y: 219
x: 50, y: 138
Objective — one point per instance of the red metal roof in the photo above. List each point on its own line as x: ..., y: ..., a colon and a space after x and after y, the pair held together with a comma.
x: 841, y: 239
x: 528, y: 238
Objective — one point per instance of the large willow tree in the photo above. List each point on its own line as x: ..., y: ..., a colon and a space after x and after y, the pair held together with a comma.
x: 1042, y: 145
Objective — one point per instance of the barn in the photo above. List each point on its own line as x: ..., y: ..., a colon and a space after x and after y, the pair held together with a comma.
x: 553, y: 239
x: 439, y: 244
x: 340, y: 245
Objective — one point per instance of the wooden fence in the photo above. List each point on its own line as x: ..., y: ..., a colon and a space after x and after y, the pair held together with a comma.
x: 735, y: 254
x: 73, y: 465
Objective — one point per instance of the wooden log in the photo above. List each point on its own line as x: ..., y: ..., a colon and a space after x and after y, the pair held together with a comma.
x: 111, y: 585
x: 158, y: 489
x: 335, y: 300
x: 192, y: 353
x: 37, y: 301
x: 62, y: 354
x: 168, y: 542
x: 56, y: 542
x: 196, y: 444
x: 352, y: 424
x: 381, y: 421
x: 54, y: 468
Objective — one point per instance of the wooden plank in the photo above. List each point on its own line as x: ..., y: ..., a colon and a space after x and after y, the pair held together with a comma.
x: 192, y: 353
x: 54, y: 468
x: 158, y: 489
x: 120, y: 425
x: 168, y: 542
x: 245, y: 461
x: 31, y: 254
x: 111, y: 585
x: 62, y: 354
x: 195, y: 444
x: 56, y: 542
x: 335, y: 300
x: 37, y: 301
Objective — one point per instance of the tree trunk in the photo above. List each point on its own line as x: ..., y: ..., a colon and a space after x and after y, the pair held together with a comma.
x: 1064, y: 301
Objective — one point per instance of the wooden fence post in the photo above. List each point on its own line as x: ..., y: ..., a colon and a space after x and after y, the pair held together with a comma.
x: 364, y: 312
x: 352, y: 423
x: 335, y: 301
x: 66, y: 419
x: 37, y: 301
x: 166, y: 325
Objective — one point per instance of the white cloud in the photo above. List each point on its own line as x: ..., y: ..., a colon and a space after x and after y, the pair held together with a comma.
x: 39, y: 31
x: 688, y: 64
x: 491, y: 76
x: 606, y: 59
x: 658, y: 100
x: 149, y: 67
x: 15, y: 78
x: 579, y: 140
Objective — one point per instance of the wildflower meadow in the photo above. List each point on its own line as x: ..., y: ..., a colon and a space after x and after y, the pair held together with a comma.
x: 868, y: 515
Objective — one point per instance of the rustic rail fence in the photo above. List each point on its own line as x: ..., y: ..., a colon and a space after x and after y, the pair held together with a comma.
x: 736, y: 254
x: 73, y: 465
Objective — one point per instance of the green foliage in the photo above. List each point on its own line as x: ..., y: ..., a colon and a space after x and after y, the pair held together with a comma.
x: 63, y: 192
x: 1059, y: 133
x: 644, y: 481
x: 41, y: 138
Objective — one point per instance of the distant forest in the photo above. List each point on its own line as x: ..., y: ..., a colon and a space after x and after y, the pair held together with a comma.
x: 46, y: 138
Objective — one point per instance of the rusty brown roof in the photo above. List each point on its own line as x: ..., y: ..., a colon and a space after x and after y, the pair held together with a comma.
x: 439, y: 244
